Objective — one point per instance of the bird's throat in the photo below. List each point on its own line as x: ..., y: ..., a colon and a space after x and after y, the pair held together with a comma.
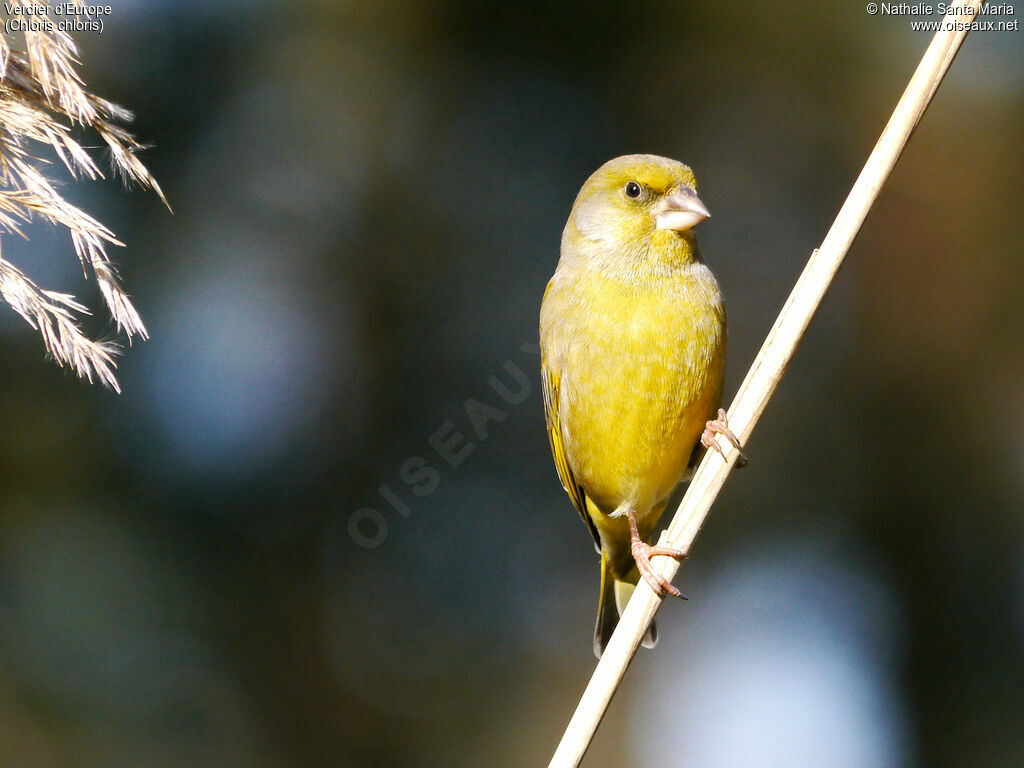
x: 671, y: 250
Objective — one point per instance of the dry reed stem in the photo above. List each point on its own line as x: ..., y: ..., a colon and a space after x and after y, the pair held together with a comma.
x: 761, y: 380
x: 43, y: 101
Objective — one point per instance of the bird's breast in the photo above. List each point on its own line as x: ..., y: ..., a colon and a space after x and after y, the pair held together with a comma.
x: 641, y: 367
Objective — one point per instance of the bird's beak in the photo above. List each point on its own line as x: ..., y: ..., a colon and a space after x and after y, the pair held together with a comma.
x: 680, y: 211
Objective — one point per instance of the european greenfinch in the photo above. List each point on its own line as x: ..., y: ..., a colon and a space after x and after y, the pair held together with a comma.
x: 632, y: 336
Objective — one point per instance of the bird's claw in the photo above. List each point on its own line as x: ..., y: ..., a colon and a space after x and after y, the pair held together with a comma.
x: 643, y: 552
x: 720, y: 426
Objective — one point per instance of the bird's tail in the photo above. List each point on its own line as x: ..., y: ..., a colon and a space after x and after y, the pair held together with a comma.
x: 615, y: 593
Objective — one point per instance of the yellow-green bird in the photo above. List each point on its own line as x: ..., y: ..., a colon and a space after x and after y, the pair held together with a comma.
x: 632, y: 336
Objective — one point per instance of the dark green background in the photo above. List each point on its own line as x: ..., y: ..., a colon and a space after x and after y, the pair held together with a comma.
x: 368, y: 200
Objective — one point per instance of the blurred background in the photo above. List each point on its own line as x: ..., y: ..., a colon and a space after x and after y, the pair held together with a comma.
x: 256, y: 555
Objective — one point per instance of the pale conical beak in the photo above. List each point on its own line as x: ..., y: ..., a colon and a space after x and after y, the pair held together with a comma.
x: 680, y: 211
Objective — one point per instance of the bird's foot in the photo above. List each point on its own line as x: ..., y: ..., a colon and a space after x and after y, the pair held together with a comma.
x: 642, y: 554
x: 720, y: 426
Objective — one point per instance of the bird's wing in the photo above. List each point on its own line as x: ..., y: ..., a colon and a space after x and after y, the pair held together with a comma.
x: 572, y: 487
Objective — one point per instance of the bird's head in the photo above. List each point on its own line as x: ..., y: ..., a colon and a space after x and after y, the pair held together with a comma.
x: 637, y: 207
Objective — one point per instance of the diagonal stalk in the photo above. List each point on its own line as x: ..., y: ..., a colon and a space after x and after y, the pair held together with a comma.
x: 764, y: 375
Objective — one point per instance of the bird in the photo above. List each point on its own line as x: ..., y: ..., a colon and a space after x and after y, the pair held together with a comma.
x: 633, y: 343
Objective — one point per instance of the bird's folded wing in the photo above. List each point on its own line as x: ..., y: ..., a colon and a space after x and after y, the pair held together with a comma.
x: 573, y: 488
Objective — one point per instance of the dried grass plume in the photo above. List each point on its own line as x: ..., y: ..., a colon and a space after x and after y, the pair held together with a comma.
x: 43, y: 101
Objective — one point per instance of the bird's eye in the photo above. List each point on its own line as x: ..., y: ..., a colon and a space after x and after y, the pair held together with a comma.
x: 632, y: 190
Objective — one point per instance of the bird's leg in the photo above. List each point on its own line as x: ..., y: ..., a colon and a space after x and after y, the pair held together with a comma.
x: 720, y: 426
x: 642, y: 554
